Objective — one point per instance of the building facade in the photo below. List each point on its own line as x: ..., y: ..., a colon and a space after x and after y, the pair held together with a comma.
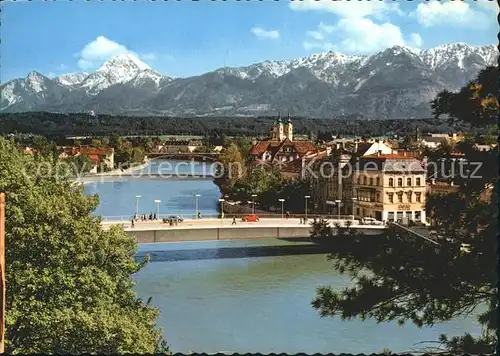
x: 389, y: 188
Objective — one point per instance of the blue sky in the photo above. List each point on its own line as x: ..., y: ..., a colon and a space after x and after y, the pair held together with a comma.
x: 183, y: 38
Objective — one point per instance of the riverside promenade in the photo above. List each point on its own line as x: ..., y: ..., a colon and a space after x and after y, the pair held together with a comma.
x: 223, y: 229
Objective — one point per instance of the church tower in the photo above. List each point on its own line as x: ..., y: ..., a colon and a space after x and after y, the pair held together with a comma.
x: 289, y: 128
x: 279, y: 130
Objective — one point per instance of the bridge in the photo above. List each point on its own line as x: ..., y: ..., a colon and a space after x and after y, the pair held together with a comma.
x: 148, y: 175
x: 223, y: 229
x: 186, y: 156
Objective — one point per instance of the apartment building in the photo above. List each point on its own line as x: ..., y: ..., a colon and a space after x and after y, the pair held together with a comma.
x: 389, y: 187
x: 334, y: 181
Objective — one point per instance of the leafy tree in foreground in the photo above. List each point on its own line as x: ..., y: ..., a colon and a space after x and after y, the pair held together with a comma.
x: 69, y: 286
x: 399, y: 277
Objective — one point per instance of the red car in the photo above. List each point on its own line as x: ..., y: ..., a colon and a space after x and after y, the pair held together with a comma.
x: 251, y: 218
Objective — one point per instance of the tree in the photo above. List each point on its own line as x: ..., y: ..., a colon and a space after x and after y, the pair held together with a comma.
x: 78, y: 165
x: 233, y: 166
x: 69, y: 281
x: 115, y: 141
x: 401, y: 277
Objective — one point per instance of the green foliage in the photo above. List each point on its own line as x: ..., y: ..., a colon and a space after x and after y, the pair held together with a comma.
x: 69, y: 282
x: 244, y: 144
x: 78, y: 165
x: 124, y: 157
x: 57, y: 125
x: 269, y: 185
x: 474, y: 104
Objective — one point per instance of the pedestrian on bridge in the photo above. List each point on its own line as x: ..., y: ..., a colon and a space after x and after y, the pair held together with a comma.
x: 234, y: 220
x: 301, y: 221
x: 132, y: 223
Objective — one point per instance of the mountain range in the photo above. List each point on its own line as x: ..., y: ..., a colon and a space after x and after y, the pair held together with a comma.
x: 397, y: 82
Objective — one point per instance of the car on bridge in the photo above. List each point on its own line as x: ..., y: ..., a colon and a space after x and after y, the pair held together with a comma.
x: 175, y: 218
x: 250, y: 218
x: 370, y: 221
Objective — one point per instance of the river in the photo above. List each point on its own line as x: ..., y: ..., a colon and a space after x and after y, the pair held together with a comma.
x: 214, y: 298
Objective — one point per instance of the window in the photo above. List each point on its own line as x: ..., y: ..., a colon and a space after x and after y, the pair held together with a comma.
x: 378, y: 181
x: 359, y: 180
x: 391, y: 197
x: 417, y: 182
x: 408, y: 196
x: 364, y: 180
x: 391, y: 182
x: 400, y: 182
x: 408, y: 182
x: 400, y: 197
x: 371, y: 181
x: 418, y: 197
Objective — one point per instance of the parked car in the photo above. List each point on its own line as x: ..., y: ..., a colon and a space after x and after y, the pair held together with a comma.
x: 250, y: 218
x: 175, y: 218
x: 370, y: 221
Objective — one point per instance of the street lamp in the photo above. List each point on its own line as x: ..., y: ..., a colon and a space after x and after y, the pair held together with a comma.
x: 338, y: 207
x: 253, y: 203
x: 353, y: 202
x: 221, y: 210
x: 282, y: 206
x: 137, y: 197
x: 158, y: 208
x: 306, y: 197
x: 196, y: 196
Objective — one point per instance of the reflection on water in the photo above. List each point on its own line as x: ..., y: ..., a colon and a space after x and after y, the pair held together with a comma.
x: 261, y: 304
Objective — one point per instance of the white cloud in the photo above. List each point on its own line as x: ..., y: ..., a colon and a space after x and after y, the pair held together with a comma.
x: 489, y: 5
x: 416, y: 40
x: 262, y: 33
x: 316, y: 35
x: 360, y: 35
x: 348, y: 9
x: 451, y: 13
x: 101, y: 49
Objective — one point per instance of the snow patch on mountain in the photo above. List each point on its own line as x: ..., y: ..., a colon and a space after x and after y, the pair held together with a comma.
x: 70, y: 79
x: 119, y: 69
x: 36, y: 82
x: 457, y: 53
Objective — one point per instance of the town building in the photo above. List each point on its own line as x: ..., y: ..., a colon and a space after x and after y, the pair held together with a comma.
x: 280, y: 146
x: 389, y: 187
x: 97, y: 156
x: 332, y: 181
x: 434, y: 140
x: 178, y: 146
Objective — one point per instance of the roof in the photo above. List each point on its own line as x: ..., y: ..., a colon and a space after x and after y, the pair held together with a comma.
x: 434, y: 139
x: 87, y: 150
x: 94, y: 158
x: 390, y: 163
x: 293, y: 167
x: 302, y: 147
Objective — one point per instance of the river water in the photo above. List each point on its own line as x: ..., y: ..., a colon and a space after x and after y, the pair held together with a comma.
x: 217, y: 296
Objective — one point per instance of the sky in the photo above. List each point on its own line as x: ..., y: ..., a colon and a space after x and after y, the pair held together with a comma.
x: 185, y: 38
